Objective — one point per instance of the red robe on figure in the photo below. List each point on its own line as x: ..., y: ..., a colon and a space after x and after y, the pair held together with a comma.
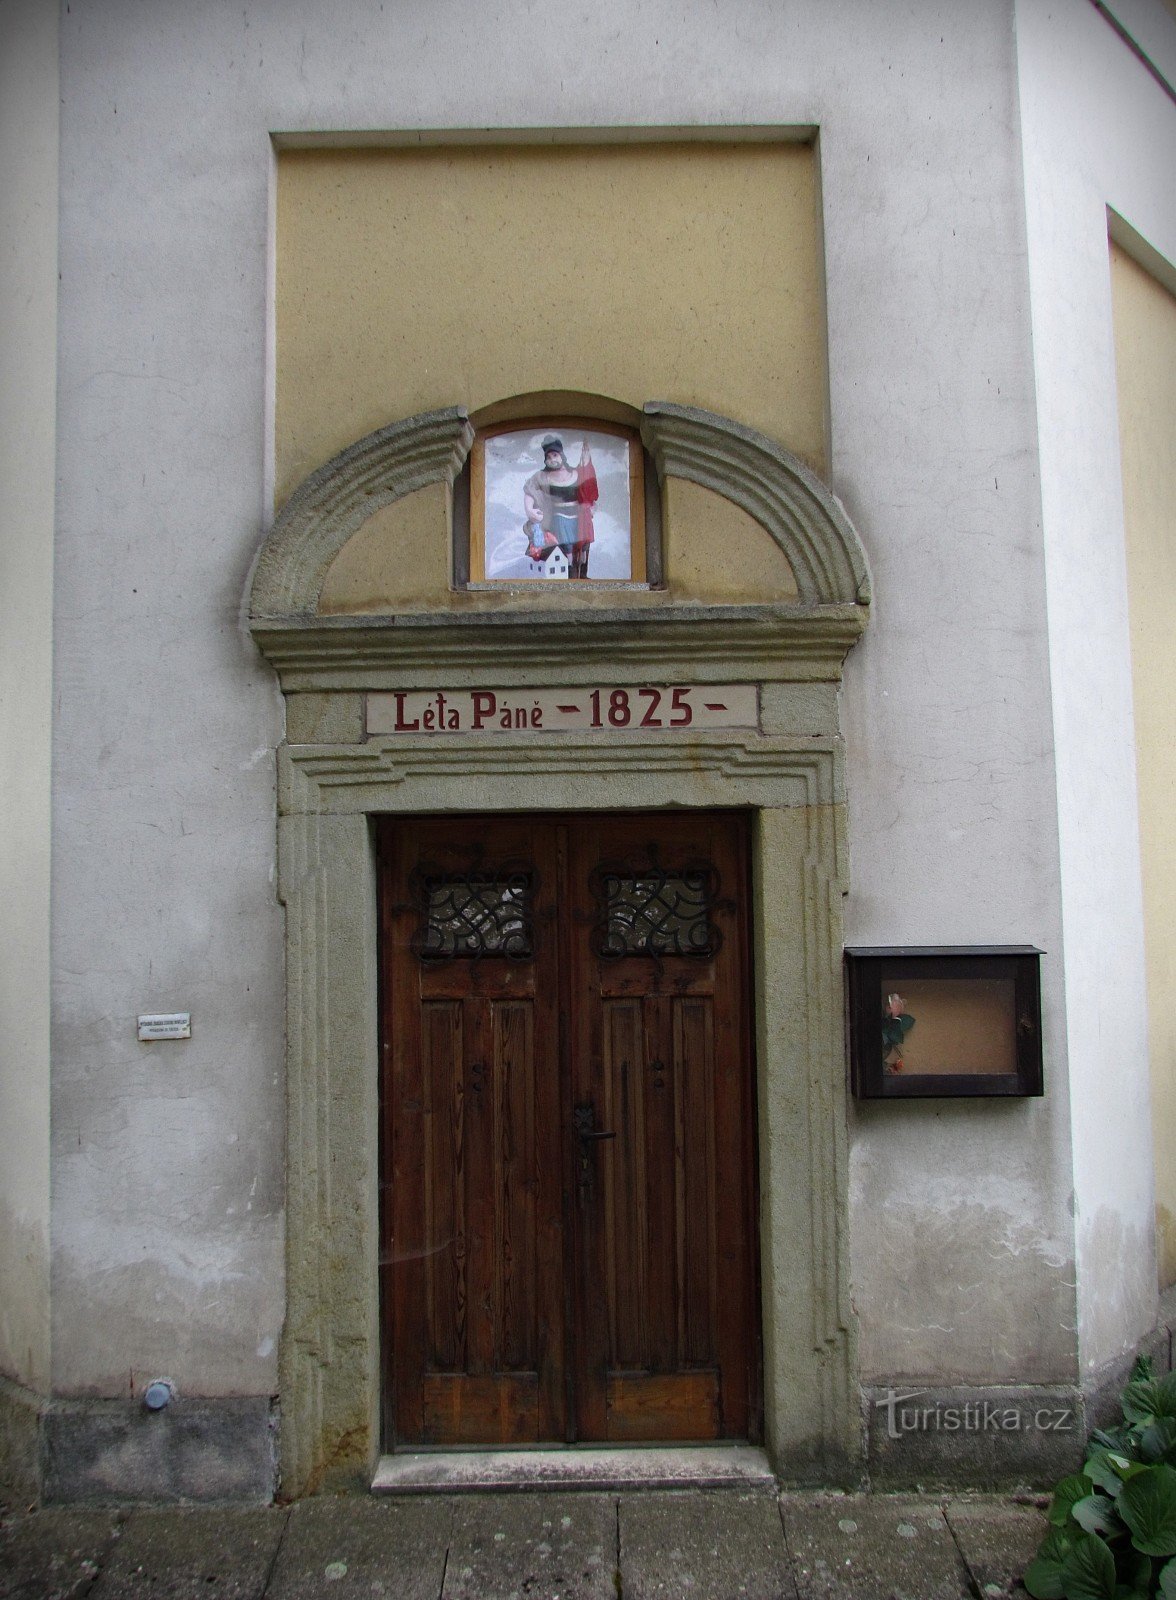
x: 589, y: 494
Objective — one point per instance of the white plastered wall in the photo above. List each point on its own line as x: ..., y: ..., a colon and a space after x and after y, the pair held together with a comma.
x: 169, y: 1158
x: 28, y: 352
x: 961, y: 1242
x: 1098, y: 132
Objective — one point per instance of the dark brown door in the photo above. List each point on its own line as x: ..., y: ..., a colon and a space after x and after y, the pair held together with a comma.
x: 568, y: 1246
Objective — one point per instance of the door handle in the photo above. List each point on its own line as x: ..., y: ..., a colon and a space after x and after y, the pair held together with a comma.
x: 584, y: 1123
x: 584, y: 1119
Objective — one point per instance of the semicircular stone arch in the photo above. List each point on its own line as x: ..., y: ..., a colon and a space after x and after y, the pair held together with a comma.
x: 773, y: 486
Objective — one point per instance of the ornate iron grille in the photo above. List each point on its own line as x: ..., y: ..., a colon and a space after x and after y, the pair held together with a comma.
x: 653, y: 912
x: 473, y: 914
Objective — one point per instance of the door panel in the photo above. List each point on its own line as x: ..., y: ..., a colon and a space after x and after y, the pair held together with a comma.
x: 659, y: 1010
x: 473, y: 1225
x: 568, y: 1229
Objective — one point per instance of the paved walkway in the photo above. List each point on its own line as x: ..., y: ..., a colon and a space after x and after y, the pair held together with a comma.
x: 680, y: 1545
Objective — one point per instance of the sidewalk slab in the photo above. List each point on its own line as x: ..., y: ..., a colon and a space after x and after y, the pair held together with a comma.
x: 997, y: 1541
x: 719, y: 1546
x: 872, y: 1547
x: 683, y: 1544
x: 196, y: 1551
x: 54, y: 1555
x: 346, y: 1546
x: 528, y: 1547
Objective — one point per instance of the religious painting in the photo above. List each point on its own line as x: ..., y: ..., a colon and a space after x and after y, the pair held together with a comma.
x: 557, y: 500
x: 930, y: 1022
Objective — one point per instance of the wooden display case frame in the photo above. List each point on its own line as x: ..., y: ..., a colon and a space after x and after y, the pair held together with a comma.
x: 875, y: 975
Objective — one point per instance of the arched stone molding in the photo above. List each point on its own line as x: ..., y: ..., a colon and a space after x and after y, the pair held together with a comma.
x: 334, y: 502
x: 773, y: 486
x: 787, y: 499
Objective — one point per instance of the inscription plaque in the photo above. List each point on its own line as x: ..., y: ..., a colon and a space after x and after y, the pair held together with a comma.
x: 604, y: 708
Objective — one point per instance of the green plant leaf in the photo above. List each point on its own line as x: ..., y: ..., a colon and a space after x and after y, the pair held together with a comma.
x: 1157, y: 1442
x: 1135, y: 1571
x: 1043, y: 1575
x: 1043, y: 1579
x: 1166, y: 1394
x: 1167, y: 1583
x: 1143, y: 1368
x: 1067, y: 1495
x: 1137, y: 1401
x: 1088, y: 1570
x: 1116, y: 1439
x: 1107, y: 1469
x: 1147, y: 1504
x: 1097, y: 1515
x: 1147, y: 1398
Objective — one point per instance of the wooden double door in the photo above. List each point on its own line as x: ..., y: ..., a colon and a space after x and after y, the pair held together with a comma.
x: 568, y: 1242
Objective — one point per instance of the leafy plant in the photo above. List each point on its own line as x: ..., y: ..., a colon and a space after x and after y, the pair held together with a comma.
x: 1113, y: 1525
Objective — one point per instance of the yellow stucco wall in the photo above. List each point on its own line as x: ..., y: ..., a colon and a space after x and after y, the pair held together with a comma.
x: 409, y: 279
x: 1145, y: 353
x: 398, y: 561
x: 712, y: 550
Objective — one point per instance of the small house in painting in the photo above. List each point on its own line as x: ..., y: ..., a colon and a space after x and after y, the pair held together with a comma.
x: 553, y: 564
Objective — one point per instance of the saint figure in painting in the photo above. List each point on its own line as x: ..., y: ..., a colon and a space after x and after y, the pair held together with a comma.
x: 558, y: 501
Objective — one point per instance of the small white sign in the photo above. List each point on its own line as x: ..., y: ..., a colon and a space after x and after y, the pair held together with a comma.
x: 170, y: 1025
x: 604, y: 708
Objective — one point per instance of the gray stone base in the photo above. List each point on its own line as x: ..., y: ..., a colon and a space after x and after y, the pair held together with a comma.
x: 1103, y: 1388
x: 1167, y: 1322
x: 117, y: 1451
x: 974, y: 1438
x: 20, y: 1440
x: 226, y: 1450
x: 717, y: 1466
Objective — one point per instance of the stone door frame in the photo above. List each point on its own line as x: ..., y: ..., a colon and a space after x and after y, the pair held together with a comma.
x: 333, y: 779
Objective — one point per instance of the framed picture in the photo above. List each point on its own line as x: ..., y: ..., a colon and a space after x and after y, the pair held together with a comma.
x: 933, y: 1021
x: 555, y: 499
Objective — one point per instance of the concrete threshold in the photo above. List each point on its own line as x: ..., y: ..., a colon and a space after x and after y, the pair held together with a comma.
x: 739, y: 1466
